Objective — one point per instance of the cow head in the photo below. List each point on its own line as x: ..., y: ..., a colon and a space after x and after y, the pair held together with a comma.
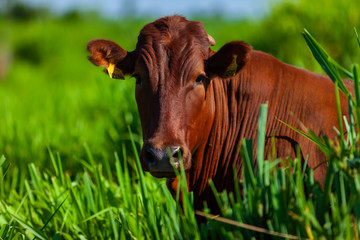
x: 174, y: 68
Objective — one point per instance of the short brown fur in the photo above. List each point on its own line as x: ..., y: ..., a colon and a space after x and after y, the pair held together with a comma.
x: 208, y: 119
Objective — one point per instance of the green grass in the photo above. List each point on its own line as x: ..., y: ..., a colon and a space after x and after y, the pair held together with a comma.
x: 52, y: 96
x: 91, y: 206
x: 60, y: 100
x: 278, y: 202
x: 69, y: 168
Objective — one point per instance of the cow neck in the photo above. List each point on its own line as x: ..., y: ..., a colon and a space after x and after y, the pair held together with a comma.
x: 237, y: 103
x: 232, y: 121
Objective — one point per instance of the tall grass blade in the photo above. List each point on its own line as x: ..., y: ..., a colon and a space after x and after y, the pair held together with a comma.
x: 4, y: 230
x: 99, y: 213
x: 113, y: 224
x: 121, y: 179
x: 339, y: 113
x: 357, y: 36
x: 237, y: 185
x: 356, y: 72
x: 89, y: 155
x: 246, y: 153
x: 101, y: 188
x: 261, y: 141
x: 138, y: 165
x: 107, y: 168
x: 326, y: 62
x: 347, y: 73
x: 34, y: 231
x: 35, y: 177
x: 4, y: 171
x: 217, y: 197
x: 78, y: 206
x: 2, y: 160
x: 57, y: 165
x: 52, y: 215
x: 88, y: 193
x: 312, y: 137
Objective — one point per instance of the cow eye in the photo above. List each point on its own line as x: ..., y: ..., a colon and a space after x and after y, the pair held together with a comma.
x: 138, y: 79
x: 200, y: 79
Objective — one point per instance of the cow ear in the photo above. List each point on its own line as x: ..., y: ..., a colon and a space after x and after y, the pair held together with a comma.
x: 117, y: 61
x: 228, y: 60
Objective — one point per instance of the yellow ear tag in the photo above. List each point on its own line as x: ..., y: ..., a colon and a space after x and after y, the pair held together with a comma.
x: 115, y: 72
x: 231, y: 69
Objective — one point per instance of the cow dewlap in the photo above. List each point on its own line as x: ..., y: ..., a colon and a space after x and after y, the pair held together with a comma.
x: 115, y: 72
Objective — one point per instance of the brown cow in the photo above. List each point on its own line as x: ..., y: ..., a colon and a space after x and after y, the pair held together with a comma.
x: 201, y: 104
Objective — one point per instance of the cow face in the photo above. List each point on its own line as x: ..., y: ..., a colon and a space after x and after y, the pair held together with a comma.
x: 174, y: 69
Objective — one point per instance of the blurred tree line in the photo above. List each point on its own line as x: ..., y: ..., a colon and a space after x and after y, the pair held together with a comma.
x: 331, y: 22
x: 17, y: 10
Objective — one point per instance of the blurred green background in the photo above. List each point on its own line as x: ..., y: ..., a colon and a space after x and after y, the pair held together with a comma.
x: 52, y: 97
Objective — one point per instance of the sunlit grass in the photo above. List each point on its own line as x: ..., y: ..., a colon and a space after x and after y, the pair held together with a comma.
x: 71, y: 169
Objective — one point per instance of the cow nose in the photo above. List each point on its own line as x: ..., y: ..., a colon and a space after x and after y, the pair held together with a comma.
x: 160, y: 162
x: 158, y: 155
x: 174, y: 151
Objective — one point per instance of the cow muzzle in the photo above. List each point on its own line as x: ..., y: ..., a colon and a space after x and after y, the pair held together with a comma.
x: 160, y: 162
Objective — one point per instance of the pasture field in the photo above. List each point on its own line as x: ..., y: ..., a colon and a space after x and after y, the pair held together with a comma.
x: 68, y: 163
